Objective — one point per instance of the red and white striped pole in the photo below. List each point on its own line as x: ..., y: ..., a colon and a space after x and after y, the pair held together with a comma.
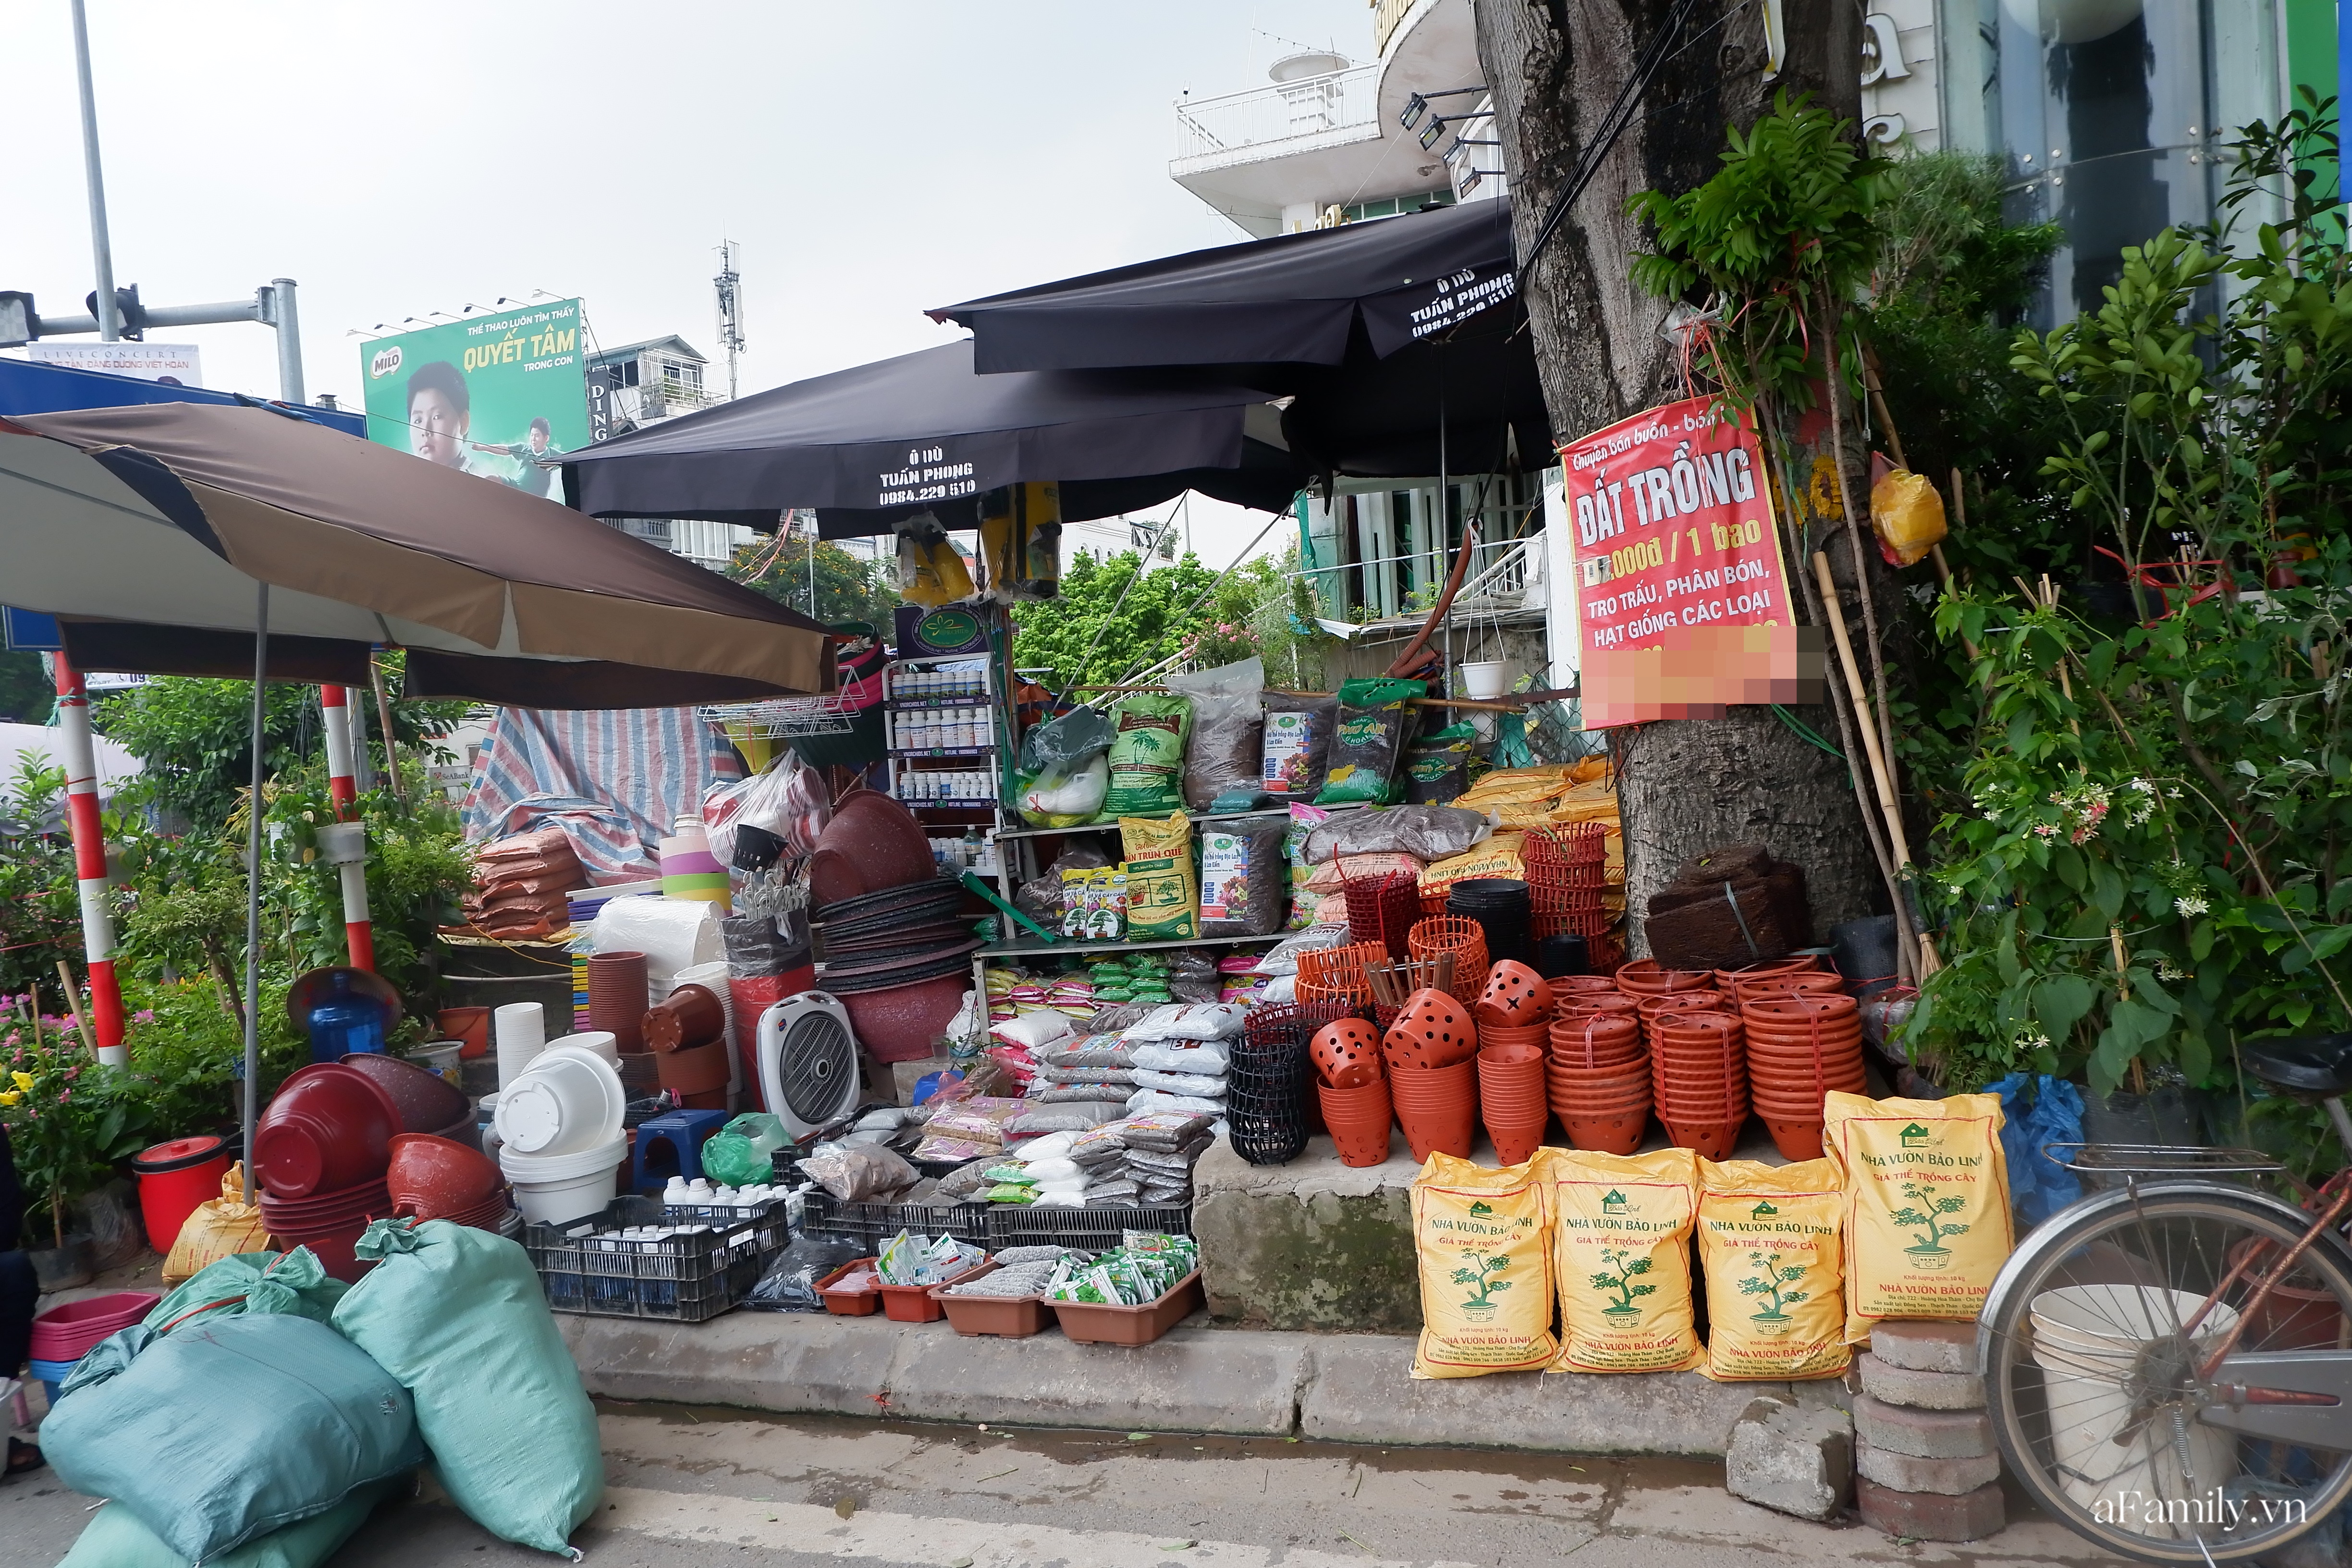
x: 344, y: 791
x: 90, y: 862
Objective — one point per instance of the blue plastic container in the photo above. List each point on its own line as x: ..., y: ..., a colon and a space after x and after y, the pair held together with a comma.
x: 49, y: 1375
x: 342, y: 1021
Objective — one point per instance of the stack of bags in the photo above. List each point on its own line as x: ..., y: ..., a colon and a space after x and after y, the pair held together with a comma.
x: 1072, y: 996
x: 1136, y: 977
x: 1143, y: 1160
x: 521, y: 886
x: 999, y: 984
x: 1180, y: 1054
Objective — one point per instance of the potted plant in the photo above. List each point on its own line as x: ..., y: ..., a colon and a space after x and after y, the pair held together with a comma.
x: 53, y: 1145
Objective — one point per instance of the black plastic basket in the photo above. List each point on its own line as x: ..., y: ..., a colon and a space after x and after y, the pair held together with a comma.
x: 585, y: 1267
x: 874, y: 1224
x: 1089, y: 1230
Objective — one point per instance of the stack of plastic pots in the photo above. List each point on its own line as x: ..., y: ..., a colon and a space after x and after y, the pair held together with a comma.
x: 1339, y: 976
x: 1599, y: 1077
x: 560, y: 1141
x: 1655, y: 1010
x: 63, y: 1335
x: 440, y: 1178
x: 617, y: 997
x: 1799, y: 1047
x: 1266, y: 1092
x: 318, y: 1154
x: 1698, y: 1066
x: 1648, y: 977
x: 1567, y: 871
x: 1383, y: 909
x: 1811, y: 983
x: 423, y: 1101
x: 1352, y: 1088
x: 1514, y: 1018
x: 1502, y: 906
x: 1466, y: 939
x: 1432, y: 1051
x: 1730, y: 981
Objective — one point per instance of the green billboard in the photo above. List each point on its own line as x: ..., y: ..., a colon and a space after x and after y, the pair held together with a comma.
x: 490, y: 394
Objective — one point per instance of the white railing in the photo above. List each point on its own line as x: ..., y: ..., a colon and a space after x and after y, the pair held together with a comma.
x: 1239, y: 124
x: 1505, y: 579
x: 1506, y: 572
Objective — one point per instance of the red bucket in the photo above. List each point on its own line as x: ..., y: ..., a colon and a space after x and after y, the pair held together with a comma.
x: 174, y: 1178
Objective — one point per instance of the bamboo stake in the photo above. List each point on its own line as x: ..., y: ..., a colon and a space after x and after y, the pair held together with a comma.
x: 73, y: 1005
x: 383, y: 720
x: 1929, y: 960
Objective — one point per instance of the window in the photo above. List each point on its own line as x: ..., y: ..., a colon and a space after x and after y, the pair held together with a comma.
x: 678, y: 374
x: 1389, y: 206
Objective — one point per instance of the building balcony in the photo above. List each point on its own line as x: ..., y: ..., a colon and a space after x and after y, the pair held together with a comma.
x: 1277, y: 120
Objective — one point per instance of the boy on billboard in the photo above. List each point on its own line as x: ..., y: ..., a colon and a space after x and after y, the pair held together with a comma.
x: 440, y: 411
x: 528, y: 455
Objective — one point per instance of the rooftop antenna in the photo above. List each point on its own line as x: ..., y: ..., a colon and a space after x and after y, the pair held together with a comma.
x: 730, y: 287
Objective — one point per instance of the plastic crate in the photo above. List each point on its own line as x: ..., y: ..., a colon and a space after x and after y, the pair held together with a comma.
x: 1088, y: 1230
x: 871, y: 1224
x: 585, y: 1267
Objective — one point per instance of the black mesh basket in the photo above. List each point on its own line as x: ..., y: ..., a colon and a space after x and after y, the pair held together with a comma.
x: 1267, y: 1091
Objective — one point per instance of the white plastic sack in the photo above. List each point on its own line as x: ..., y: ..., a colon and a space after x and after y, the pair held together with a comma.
x: 1188, y: 1021
x: 1182, y: 1083
x: 1035, y: 1030
x: 1146, y: 1100
x: 1206, y: 1058
x: 673, y: 934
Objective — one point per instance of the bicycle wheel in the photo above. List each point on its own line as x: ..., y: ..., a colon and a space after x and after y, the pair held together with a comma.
x: 2093, y: 1350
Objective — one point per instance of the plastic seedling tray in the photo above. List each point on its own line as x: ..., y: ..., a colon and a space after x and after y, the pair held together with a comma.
x: 915, y: 1303
x: 1000, y: 1317
x: 1101, y: 1325
x: 849, y: 1303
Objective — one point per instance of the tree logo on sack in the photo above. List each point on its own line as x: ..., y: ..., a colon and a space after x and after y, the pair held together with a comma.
x: 1772, y: 1278
x: 1616, y: 1203
x: 1480, y: 1277
x: 1927, y: 1209
x: 1915, y: 1136
x: 1480, y: 1209
x: 1628, y: 1268
x: 1763, y: 1211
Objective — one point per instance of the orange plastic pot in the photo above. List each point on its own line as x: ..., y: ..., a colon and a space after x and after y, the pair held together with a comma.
x: 1648, y: 977
x: 1358, y: 1120
x: 1515, y: 1142
x: 1532, y: 1034
x: 1441, y: 1125
x: 1800, y: 964
x: 1607, y: 1134
x: 1532, y: 1052
x: 1515, y: 996
x: 1565, y: 985
x: 1795, y: 1140
x: 1712, y: 1140
x: 1773, y: 985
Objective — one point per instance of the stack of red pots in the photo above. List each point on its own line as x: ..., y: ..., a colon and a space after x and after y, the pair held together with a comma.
x: 440, y: 1178
x: 1463, y: 937
x: 1599, y: 1074
x: 617, y: 997
x: 1383, y: 909
x: 1514, y: 1018
x: 686, y: 1032
x: 319, y: 1153
x: 1800, y: 1047
x: 1698, y: 1063
x: 1648, y: 977
x: 1432, y: 1051
x: 1351, y: 1087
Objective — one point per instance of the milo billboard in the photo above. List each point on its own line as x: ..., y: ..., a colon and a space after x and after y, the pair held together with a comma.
x: 491, y: 394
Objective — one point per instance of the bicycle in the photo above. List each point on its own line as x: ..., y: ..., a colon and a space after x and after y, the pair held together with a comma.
x: 2167, y: 1363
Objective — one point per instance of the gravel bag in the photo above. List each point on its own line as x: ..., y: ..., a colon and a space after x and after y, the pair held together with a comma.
x: 458, y: 1315
x: 1770, y: 1249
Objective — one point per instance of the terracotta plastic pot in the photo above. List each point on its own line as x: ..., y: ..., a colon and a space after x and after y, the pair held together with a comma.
x: 327, y: 1127
x: 1433, y: 1031
x: 1358, y: 1120
x: 701, y: 1070
x: 1437, y: 1108
x: 1712, y: 1140
x: 470, y: 1027
x: 688, y: 1016
x: 1347, y: 1053
x: 1530, y: 1052
x: 1607, y: 1134
x: 1649, y: 977
x: 1797, y: 963
x: 1515, y: 1143
x: 1801, y: 1010
x: 423, y: 1101
x: 1565, y: 986
x: 616, y: 997
x: 1811, y: 984
x: 1575, y: 1003
x: 1515, y: 996
x: 1795, y: 1140
x: 1519, y: 1081
x: 437, y: 1178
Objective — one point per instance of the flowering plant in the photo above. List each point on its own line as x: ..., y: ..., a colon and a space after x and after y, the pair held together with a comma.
x: 50, y: 1131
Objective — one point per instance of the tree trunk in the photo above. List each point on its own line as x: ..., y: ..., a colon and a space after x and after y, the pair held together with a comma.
x: 1554, y: 66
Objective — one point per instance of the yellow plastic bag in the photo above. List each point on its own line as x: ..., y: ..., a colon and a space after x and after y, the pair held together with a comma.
x: 931, y: 572
x: 1020, y: 540
x: 1486, y: 1274
x: 1907, y: 514
x: 1927, y: 1205
x: 220, y: 1228
x: 1621, y: 1249
x: 1769, y: 1245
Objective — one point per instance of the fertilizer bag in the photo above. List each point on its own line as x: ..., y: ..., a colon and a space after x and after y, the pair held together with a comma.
x: 1297, y: 751
x: 458, y: 1315
x: 1368, y: 750
x: 1621, y: 1249
x: 226, y: 1430
x: 1146, y: 754
x: 1927, y: 1205
x: 115, y: 1539
x: 1227, y: 749
x: 1768, y: 1245
x: 1485, y: 1280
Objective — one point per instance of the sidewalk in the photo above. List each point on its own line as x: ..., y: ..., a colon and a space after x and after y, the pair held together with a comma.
x: 1335, y: 1387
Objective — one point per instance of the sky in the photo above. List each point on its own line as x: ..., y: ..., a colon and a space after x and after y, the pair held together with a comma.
x: 870, y: 159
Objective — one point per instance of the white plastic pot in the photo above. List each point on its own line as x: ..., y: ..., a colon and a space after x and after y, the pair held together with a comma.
x: 559, y: 1200
x: 600, y: 1041
x: 1488, y: 680
x: 520, y: 1030
x: 570, y: 1100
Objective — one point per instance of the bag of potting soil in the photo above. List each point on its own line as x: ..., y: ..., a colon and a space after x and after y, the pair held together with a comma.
x: 1770, y: 1247
x: 458, y: 1315
x: 1480, y: 1237
x: 1437, y: 768
x: 1620, y: 1247
x: 1927, y: 1205
x: 1227, y: 745
x: 223, y: 1431
x: 1146, y: 754
x: 1303, y: 820
x: 1297, y: 750
x: 216, y: 1228
x: 292, y: 1282
x: 1242, y: 878
x: 1368, y: 747
x: 1163, y: 895
x: 115, y: 1539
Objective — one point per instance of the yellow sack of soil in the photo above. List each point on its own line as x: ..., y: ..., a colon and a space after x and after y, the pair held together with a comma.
x: 1485, y: 1275
x: 1498, y: 856
x: 1768, y: 1245
x: 1620, y: 1246
x: 1927, y: 1205
x: 218, y: 1229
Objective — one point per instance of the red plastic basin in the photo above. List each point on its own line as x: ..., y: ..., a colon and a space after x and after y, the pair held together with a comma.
x: 66, y: 1332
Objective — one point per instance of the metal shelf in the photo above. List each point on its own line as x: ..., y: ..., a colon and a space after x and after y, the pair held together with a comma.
x: 989, y: 751
x: 1197, y: 821
x: 958, y: 805
x: 1033, y: 948
x: 919, y: 704
x: 983, y: 654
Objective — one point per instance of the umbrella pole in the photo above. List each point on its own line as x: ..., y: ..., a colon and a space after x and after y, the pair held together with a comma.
x: 253, y: 894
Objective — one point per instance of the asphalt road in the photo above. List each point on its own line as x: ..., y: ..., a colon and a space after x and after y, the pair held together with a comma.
x: 693, y: 1486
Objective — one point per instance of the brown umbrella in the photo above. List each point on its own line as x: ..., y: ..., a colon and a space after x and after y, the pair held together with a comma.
x: 145, y: 530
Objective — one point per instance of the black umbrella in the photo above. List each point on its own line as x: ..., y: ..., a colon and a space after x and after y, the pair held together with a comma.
x: 1292, y: 300
x: 923, y: 433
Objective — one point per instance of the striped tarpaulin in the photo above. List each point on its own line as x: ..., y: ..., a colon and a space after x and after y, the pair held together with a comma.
x: 613, y: 779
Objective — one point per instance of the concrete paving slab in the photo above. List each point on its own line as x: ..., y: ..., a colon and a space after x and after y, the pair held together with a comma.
x: 1197, y: 1379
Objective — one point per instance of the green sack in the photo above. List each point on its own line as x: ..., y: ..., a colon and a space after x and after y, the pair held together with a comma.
x: 766, y: 1132
x: 115, y: 1539
x: 224, y: 1431
x: 294, y: 1284
x: 458, y: 1315
x: 730, y: 1159
x: 1368, y: 748
x: 1147, y: 755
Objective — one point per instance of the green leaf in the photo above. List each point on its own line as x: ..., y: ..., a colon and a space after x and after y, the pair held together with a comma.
x: 2106, y: 889
x: 2060, y: 1002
